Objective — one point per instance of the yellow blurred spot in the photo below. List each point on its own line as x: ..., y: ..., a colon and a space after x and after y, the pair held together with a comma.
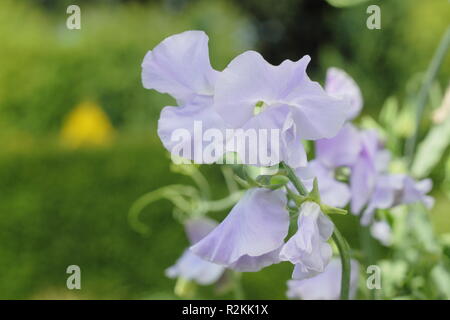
x: 87, y: 125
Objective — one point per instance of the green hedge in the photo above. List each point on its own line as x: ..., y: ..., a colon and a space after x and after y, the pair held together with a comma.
x: 61, y: 207
x: 49, y: 69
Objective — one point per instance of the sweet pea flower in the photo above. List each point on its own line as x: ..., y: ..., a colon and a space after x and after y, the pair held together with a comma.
x: 332, y: 192
x: 191, y: 267
x: 308, y: 249
x: 341, y: 150
x: 339, y: 84
x: 180, y: 66
x: 326, y: 285
x: 252, y: 234
x: 371, y: 161
x: 250, y: 93
x: 395, y: 189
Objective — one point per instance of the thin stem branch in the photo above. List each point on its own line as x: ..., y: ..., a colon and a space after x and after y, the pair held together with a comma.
x: 295, y: 181
x: 344, y: 251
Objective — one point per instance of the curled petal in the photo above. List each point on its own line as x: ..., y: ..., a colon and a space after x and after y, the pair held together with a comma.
x: 180, y: 66
x: 257, y: 225
x: 308, y: 248
x: 326, y: 285
x: 340, y: 84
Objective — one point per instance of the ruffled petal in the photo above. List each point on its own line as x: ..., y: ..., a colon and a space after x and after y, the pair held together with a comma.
x: 257, y: 225
x: 339, y: 84
x: 308, y: 248
x: 249, y: 80
x: 180, y: 66
x: 317, y: 114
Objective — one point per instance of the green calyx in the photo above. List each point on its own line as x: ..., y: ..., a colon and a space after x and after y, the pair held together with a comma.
x: 314, y: 196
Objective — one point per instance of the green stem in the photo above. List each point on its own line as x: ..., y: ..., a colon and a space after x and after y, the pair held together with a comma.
x: 238, y: 289
x: 295, y: 181
x: 344, y: 251
x: 424, y: 89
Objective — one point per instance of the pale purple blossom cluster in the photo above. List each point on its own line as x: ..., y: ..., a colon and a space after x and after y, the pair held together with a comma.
x: 370, y: 186
x: 250, y: 93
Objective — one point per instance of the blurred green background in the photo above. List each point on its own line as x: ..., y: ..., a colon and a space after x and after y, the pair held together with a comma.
x: 78, y: 131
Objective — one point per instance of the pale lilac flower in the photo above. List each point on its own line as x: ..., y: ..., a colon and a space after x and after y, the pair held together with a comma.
x: 191, y: 267
x: 253, y: 94
x: 332, y: 192
x: 326, y: 285
x: 395, y: 189
x: 382, y: 231
x: 387, y: 188
x: 339, y: 84
x: 416, y: 191
x: 251, y: 235
x: 308, y: 248
x: 371, y: 161
x: 341, y: 150
x: 180, y: 66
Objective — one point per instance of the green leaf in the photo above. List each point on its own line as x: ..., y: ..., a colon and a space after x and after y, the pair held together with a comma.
x: 431, y: 149
x: 446, y: 182
x: 345, y: 3
x: 441, y: 279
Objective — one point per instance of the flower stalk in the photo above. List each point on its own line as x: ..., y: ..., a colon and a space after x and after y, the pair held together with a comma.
x: 344, y: 251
